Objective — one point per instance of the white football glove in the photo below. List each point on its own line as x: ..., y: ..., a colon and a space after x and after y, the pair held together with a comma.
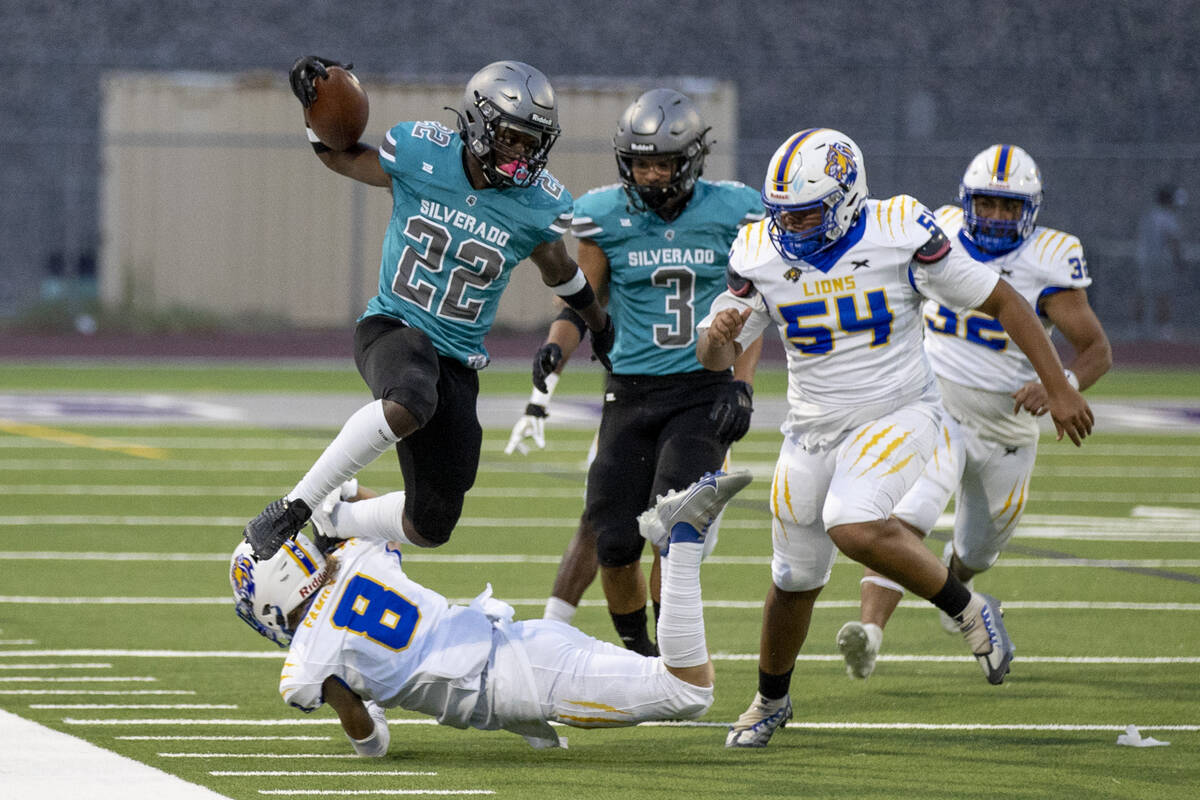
x: 532, y: 424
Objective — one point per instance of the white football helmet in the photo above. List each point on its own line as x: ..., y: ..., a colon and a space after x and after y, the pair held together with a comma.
x: 266, y: 592
x: 1003, y: 170
x: 818, y: 168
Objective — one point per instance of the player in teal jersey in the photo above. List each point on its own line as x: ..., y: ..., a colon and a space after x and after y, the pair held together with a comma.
x: 655, y: 248
x: 468, y: 205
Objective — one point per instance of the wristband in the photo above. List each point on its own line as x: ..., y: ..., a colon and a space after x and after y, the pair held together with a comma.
x: 577, y: 292
x: 376, y: 744
x: 317, y: 145
x: 540, y: 398
x: 1072, y: 379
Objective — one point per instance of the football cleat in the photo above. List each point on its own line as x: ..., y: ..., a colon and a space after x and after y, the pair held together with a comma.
x: 756, y: 724
x: 694, y: 507
x: 981, y: 623
x: 859, y: 645
x: 274, y: 525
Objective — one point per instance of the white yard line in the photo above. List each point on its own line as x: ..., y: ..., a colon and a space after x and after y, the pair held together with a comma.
x: 53, y: 764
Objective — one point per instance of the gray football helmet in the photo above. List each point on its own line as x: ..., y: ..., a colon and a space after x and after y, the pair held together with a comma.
x: 662, y: 123
x: 506, y: 102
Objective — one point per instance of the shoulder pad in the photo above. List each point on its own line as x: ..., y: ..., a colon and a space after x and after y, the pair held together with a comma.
x: 738, y: 286
x: 935, y: 249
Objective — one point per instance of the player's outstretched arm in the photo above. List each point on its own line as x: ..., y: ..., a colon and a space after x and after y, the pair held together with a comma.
x: 359, y: 161
x: 363, y: 722
x: 1068, y: 409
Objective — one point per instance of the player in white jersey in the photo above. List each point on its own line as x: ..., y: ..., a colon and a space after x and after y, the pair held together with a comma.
x: 843, y: 276
x: 364, y: 637
x: 992, y: 395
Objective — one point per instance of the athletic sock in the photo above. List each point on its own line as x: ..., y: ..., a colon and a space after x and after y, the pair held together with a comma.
x: 631, y: 628
x: 364, y: 437
x: 373, y: 518
x: 559, y: 609
x: 681, y: 627
x: 953, y: 597
x: 774, y: 687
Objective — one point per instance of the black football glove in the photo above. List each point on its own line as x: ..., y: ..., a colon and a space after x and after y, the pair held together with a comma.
x: 305, y: 71
x: 602, y: 342
x: 545, y: 361
x: 731, y: 411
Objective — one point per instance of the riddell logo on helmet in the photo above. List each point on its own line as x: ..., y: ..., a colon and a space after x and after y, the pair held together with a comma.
x: 312, y: 585
x: 643, y: 147
x: 540, y: 119
x: 774, y: 195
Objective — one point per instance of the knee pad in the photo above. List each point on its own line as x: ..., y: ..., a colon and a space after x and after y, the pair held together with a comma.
x: 618, y: 548
x: 435, y: 521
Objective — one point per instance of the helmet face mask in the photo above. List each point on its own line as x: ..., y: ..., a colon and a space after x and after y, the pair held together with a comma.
x: 266, y: 592
x: 1000, y: 171
x: 815, y: 171
x: 509, y: 121
x: 661, y: 125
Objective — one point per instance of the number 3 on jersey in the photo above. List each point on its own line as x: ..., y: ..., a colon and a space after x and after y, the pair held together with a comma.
x: 372, y: 610
x: 813, y: 338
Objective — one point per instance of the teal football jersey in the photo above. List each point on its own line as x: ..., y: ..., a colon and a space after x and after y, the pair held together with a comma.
x: 663, y: 276
x: 450, y: 249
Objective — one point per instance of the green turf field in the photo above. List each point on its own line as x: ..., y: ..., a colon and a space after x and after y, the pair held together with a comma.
x: 116, y: 624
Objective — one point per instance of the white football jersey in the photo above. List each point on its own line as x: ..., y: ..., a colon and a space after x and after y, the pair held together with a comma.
x: 389, y: 639
x: 850, y: 318
x: 971, y: 348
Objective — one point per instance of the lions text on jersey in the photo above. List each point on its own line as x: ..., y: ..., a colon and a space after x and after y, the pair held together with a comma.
x: 850, y: 318
x: 663, y: 275
x: 450, y: 249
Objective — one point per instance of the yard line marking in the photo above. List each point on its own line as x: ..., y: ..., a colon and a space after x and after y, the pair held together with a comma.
x: 90, y: 692
x: 1050, y: 605
x: 260, y: 755
x: 931, y: 726
x: 510, y: 558
x: 25, y: 642
x: 317, y: 773
x: 55, y: 666
x: 1047, y: 605
x: 675, y: 723
x: 78, y: 679
x: 131, y: 706
x: 744, y: 447
x: 558, y: 493
x: 75, y: 439
x: 224, y: 738
x: 355, y: 792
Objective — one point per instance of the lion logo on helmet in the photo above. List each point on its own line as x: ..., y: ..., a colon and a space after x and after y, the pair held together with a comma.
x: 242, y: 575
x: 840, y: 164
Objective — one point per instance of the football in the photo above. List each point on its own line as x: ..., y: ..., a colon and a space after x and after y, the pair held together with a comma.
x: 339, y: 114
